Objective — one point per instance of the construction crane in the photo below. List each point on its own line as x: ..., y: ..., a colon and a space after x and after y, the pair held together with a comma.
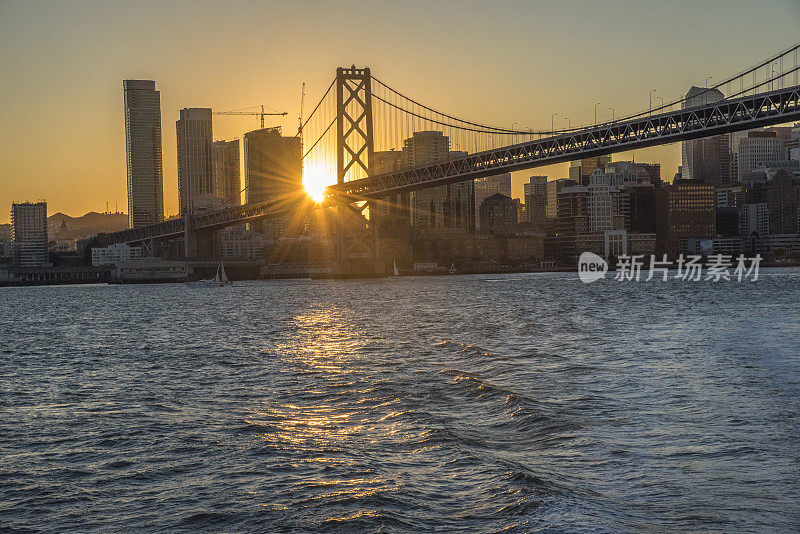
x: 262, y: 113
x: 300, y: 117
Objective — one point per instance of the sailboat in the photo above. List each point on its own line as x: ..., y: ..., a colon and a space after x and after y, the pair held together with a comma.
x: 396, y: 270
x: 219, y: 280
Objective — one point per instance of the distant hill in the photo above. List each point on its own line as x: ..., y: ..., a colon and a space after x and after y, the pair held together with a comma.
x: 86, y: 225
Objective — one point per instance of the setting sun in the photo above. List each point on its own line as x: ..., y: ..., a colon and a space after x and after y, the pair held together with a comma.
x: 315, y: 180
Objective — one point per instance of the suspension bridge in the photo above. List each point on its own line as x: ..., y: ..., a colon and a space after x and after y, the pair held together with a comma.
x: 359, y: 115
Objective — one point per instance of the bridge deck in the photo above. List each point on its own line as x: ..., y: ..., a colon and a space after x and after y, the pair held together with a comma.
x: 738, y: 114
x: 745, y: 113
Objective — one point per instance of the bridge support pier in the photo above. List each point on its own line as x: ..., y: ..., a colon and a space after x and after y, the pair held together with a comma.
x: 199, y: 244
x: 357, y: 245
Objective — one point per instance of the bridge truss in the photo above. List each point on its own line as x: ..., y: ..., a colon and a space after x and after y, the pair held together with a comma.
x: 726, y: 116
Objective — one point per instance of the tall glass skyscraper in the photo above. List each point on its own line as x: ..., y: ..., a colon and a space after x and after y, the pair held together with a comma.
x: 706, y: 159
x: 143, y: 152
x: 195, y: 160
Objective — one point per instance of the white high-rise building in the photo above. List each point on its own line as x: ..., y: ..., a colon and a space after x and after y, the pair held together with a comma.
x: 29, y: 234
x: 758, y: 149
x: 195, y: 160
x: 143, y: 152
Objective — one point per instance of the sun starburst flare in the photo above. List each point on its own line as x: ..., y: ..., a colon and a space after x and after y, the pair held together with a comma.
x: 315, y: 180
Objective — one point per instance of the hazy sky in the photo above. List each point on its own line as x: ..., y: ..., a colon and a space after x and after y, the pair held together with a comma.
x: 62, y: 63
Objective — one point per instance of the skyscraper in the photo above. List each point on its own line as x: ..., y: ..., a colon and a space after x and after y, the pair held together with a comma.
x: 272, y: 172
x: 686, y: 209
x: 535, y: 192
x: 143, y: 152
x: 580, y: 171
x: 227, y: 178
x: 706, y: 159
x: 758, y: 148
x: 272, y: 165
x: 553, y: 187
x: 29, y: 234
x: 195, y: 160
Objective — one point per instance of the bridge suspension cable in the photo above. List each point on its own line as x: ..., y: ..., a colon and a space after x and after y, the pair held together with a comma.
x: 397, y: 117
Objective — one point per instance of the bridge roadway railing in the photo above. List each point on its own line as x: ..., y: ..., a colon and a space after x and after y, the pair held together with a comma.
x: 725, y: 116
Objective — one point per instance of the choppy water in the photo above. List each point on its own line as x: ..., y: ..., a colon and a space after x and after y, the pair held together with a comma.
x: 467, y: 403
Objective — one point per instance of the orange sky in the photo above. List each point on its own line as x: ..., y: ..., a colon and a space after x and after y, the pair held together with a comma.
x: 62, y: 136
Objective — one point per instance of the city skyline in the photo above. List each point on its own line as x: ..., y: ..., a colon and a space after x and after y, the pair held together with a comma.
x: 73, y: 183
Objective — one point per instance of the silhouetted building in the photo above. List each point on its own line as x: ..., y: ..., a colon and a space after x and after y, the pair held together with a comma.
x: 195, y: 160
x: 686, y: 209
x: 553, y: 187
x: 783, y: 200
x: 535, y: 193
x: 498, y: 215
x: 393, y: 212
x: 729, y: 196
x: 227, y: 175
x: 272, y: 172
x: 29, y: 234
x: 754, y: 227
x: 727, y: 221
x: 447, y: 207
x: 640, y: 208
x: 143, y: 152
x: 488, y: 186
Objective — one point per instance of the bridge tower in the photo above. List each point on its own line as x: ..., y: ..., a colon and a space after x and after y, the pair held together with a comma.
x: 357, y: 246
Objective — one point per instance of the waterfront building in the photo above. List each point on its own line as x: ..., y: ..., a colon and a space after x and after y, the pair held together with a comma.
x: 195, y: 160
x: 29, y: 234
x: 240, y: 244
x: 227, y: 176
x: 114, y: 254
x: 143, y: 152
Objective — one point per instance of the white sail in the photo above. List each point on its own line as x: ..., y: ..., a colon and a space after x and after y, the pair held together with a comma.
x: 224, y: 276
x: 216, y: 277
x: 396, y: 271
